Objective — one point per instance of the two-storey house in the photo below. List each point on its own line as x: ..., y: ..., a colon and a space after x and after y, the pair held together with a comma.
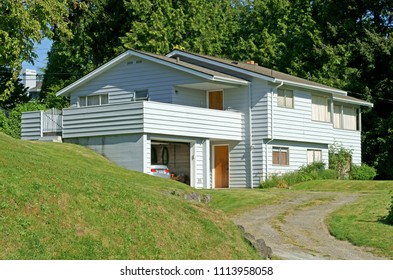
x: 217, y: 122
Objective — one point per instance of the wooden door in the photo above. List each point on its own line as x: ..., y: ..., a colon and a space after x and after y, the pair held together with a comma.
x: 216, y: 100
x: 221, y: 167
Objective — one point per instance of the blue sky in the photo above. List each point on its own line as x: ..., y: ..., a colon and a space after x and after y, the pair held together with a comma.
x: 42, y: 52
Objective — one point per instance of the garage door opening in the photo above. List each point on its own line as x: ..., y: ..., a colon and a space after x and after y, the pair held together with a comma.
x: 176, y: 156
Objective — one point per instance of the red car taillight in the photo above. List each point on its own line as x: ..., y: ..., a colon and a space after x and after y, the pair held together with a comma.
x: 153, y: 170
x: 167, y: 170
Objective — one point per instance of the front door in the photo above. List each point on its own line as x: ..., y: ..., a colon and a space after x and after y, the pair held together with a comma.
x: 221, y: 167
x: 216, y: 100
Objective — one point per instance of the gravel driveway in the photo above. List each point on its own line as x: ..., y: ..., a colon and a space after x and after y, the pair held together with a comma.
x: 295, y: 228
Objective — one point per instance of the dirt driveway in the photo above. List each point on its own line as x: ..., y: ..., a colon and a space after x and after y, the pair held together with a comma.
x: 295, y: 228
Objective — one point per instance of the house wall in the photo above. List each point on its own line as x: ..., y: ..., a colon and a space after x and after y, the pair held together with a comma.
x: 190, y: 97
x: 121, y: 80
x: 297, y: 156
x: 31, y: 128
x: 125, y: 150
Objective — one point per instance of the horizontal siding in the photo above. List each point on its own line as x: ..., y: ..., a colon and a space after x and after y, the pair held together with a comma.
x: 103, y: 120
x: 297, y: 155
x: 189, y: 97
x: 31, y: 125
x: 124, y: 78
x: 350, y: 139
x: 295, y: 124
x: 171, y: 119
x: 124, y: 150
x: 151, y: 117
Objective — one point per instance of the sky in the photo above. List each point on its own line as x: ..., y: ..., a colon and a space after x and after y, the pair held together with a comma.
x: 42, y: 52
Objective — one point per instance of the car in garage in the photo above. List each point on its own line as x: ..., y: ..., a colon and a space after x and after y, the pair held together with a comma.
x: 160, y: 170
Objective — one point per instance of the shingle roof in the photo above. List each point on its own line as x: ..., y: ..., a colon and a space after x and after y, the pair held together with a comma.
x: 262, y: 70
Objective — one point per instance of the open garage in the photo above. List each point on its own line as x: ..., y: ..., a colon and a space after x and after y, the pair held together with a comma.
x: 175, y: 155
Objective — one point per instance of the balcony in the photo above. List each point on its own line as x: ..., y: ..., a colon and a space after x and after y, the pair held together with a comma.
x: 152, y: 118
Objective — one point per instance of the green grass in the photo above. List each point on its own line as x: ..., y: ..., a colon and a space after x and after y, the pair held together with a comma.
x: 237, y: 201
x: 361, y: 222
x: 63, y: 201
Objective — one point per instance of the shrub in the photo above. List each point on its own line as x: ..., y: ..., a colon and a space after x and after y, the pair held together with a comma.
x: 389, y: 217
x: 313, y: 171
x: 329, y: 174
x: 362, y: 172
x: 340, y: 159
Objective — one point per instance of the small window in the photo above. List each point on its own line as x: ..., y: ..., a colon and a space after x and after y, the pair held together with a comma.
x: 93, y: 100
x: 285, y: 98
x: 280, y: 156
x: 314, y: 156
x: 141, y: 95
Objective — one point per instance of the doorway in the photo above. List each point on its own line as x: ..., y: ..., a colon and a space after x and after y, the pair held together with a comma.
x: 221, y: 166
x: 216, y: 100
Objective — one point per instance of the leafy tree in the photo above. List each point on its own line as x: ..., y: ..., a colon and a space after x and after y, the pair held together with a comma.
x: 340, y: 159
x: 22, y: 24
x: 19, y: 93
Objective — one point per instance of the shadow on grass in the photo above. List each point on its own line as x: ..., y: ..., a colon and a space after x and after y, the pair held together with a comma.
x: 386, y: 220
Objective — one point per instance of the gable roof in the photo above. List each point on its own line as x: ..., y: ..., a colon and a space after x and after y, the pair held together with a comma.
x: 163, y: 60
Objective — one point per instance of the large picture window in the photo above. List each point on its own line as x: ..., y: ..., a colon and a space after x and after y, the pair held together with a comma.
x: 320, y: 108
x: 280, y: 156
x: 93, y: 100
x: 285, y: 98
x: 345, y: 117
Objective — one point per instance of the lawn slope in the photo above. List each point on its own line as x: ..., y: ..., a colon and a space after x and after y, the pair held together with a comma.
x: 63, y: 201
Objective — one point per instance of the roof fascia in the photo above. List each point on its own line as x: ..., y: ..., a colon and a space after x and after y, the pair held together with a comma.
x: 220, y: 64
x: 317, y: 88
x: 355, y: 102
x: 92, y: 74
x: 121, y: 57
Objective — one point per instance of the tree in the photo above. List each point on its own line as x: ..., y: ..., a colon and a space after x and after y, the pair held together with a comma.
x: 19, y: 93
x: 22, y: 24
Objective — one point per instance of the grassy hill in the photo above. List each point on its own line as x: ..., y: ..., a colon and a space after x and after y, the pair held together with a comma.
x: 63, y: 201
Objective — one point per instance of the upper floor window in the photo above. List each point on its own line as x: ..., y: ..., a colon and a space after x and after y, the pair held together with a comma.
x: 142, y: 94
x: 345, y: 117
x: 320, y: 108
x: 93, y: 100
x: 280, y: 156
x: 285, y: 98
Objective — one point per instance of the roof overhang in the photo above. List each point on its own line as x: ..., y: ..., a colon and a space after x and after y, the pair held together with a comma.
x: 352, y: 100
x: 215, y: 77
x: 312, y: 87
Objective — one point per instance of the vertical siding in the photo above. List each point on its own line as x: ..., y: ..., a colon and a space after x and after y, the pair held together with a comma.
x: 198, y: 157
x: 124, y: 78
x: 125, y: 150
x: 31, y: 125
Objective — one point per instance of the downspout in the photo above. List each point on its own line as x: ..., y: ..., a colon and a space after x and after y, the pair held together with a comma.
x: 271, y: 128
x: 250, y: 130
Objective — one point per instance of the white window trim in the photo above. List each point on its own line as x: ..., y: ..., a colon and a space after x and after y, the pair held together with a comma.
x: 280, y: 148
x: 286, y: 92
x: 86, y: 98
x: 313, y: 151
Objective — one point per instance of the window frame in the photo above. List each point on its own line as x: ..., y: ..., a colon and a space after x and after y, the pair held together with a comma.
x: 327, y: 114
x: 280, y: 151
x: 86, y: 97
x: 313, y: 151
x: 285, y: 94
x: 341, y: 117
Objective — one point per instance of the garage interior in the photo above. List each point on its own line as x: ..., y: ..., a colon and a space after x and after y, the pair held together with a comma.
x: 175, y: 155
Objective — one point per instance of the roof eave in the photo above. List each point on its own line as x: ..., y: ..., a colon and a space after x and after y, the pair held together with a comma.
x: 354, y: 102
x: 317, y: 88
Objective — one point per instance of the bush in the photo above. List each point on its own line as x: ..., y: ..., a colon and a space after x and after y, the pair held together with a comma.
x: 389, y: 217
x: 313, y: 171
x: 362, y: 172
x: 329, y: 174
